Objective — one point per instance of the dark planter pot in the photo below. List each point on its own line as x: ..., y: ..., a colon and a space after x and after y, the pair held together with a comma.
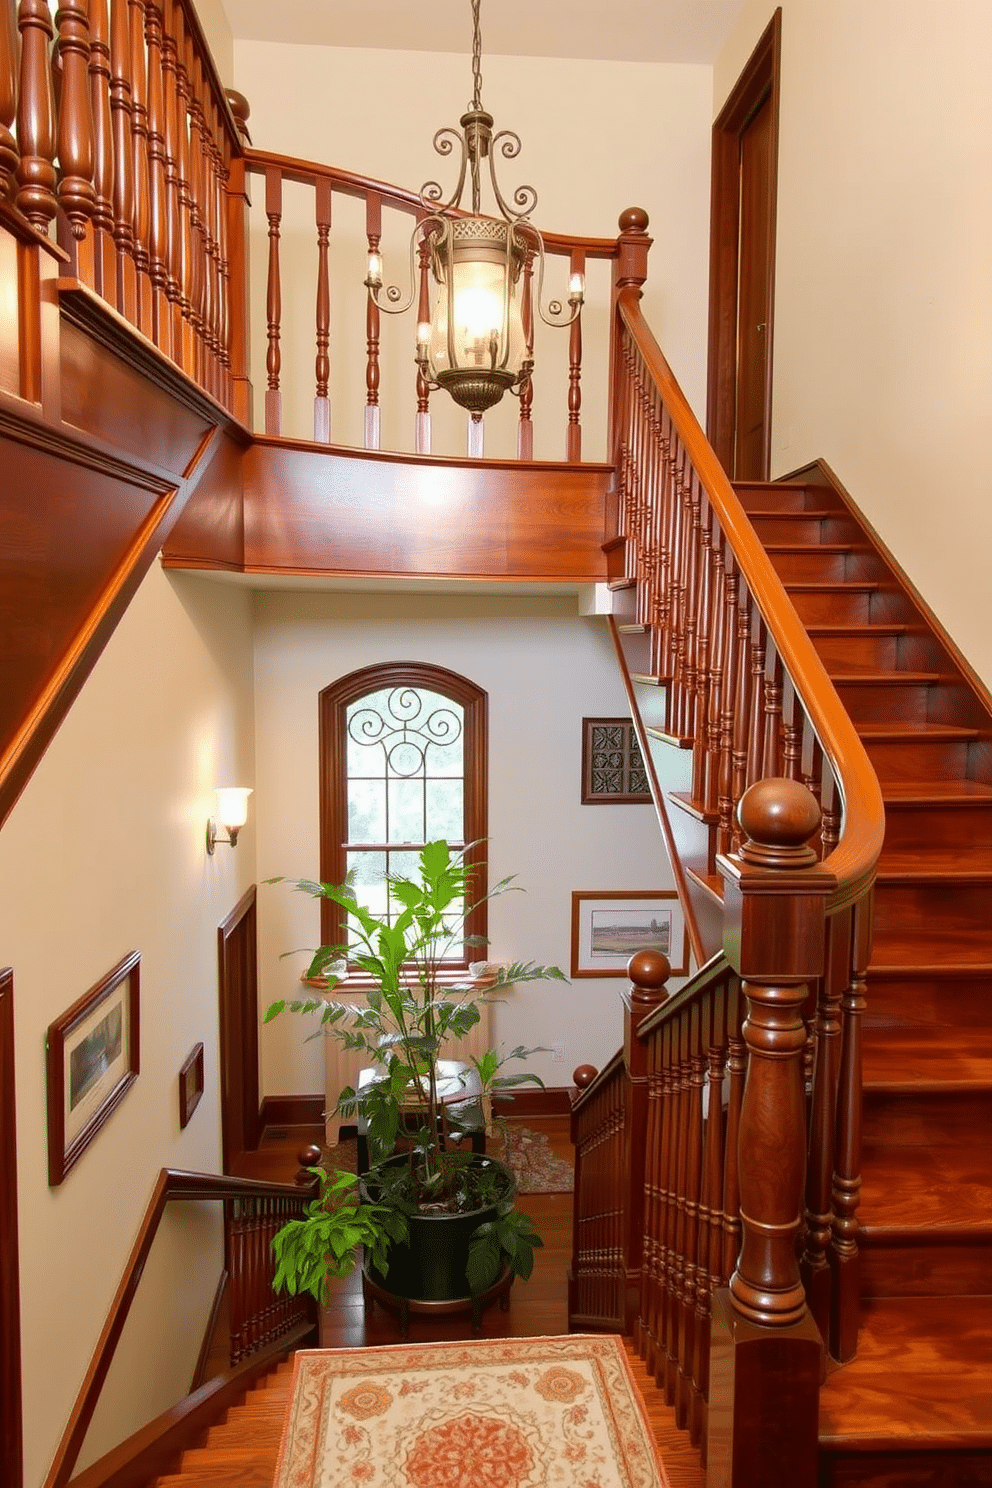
x: 431, y: 1268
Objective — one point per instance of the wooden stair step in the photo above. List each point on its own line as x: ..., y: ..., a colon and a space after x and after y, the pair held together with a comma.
x: 913, y: 1191
x: 970, y: 862
x: 923, y: 793
x: 953, y: 733
x: 909, y: 1058
x: 921, y: 1384
x: 777, y: 495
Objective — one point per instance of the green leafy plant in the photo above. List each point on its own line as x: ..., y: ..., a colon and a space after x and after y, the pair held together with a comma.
x: 415, y: 1002
x: 325, y: 1241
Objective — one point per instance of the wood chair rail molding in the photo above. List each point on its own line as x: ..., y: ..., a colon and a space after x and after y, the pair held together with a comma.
x: 173, y: 1185
x: 855, y: 856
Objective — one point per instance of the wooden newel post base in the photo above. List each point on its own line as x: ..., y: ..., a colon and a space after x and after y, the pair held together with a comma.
x: 766, y: 1351
x: 648, y: 972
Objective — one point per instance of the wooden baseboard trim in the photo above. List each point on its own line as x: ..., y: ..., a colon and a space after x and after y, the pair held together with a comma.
x: 291, y: 1110
x: 553, y: 1100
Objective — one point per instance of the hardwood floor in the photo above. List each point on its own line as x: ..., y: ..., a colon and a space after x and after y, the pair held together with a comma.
x: 537, y: 1307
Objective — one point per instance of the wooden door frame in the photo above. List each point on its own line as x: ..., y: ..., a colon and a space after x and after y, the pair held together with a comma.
x: 11, y: 1424
x: 759, y: 81
x: 239, y: 1084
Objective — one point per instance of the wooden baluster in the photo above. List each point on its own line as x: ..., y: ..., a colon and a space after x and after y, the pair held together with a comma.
x: 666, y: 1196
x: 175, y: 122
x: 771, y: 756
x: 736, y: 1069
x: 756, y: 719
x: 763, y: 1338
x: 573, y: 437
x: 710, y: 1234
x: 200, y: 264
x: 373, y: 231
x: 139, y: 147
x: 236, y: 1251
x: 666, y: 566
x: 422, y: 420
x: 222, y: 155
x: 104, y: 249
x: 830, y: 835
x: 728, y: 691
x: 237, y: 232
x: 684, y: 591
x: 677, y: 1266
x: 120, y: 114
x: 211, y: 201
x: 651, y: 1165
x: 701, y: 672
x: 157, y: 211
x: 792, y: 740
x: 525, y: 427
x: 273, y: 301
x: 694, y: 1160
x: 75, y: 133
x: 847, y: 1174
x: 35, y: 171
x: 322, y: 366
x: 8, y: 95
x: 717, y: 656
x: 742, y: 705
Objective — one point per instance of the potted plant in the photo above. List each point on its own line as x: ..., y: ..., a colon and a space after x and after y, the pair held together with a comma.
x: 412, y: 1102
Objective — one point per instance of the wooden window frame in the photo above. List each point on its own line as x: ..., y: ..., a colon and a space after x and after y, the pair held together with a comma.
x: 334, y: 702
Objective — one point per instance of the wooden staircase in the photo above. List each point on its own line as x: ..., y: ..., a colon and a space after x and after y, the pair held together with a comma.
x: 915, y: 1406
x: 240, y: 1451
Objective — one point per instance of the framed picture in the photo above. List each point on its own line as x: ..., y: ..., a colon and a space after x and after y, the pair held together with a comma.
x: 190, y: 1084
x: 609, y: 925
x: 92, y: 1063
x: 613, y: 770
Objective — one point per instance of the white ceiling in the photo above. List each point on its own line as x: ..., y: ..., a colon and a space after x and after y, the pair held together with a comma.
x: 609, y: 30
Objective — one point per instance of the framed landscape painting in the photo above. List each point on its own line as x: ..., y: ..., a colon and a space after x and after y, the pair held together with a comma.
x: 92, y: 1063
x: 609, y: 925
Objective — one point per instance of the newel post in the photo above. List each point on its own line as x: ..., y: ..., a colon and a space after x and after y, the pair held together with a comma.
x: 766, y: 1352
x: 648, y: 972
x: 630, y: 270
x: 238, y: 208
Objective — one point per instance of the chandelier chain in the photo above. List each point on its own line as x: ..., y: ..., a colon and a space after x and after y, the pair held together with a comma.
x: 476, y: 56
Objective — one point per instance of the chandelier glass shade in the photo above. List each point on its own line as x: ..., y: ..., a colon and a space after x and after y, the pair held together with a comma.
x: 476, y: 344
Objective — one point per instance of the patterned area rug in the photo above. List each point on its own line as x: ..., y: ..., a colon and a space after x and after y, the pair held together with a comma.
x: 527, y: 1152
x: 498, y: 1413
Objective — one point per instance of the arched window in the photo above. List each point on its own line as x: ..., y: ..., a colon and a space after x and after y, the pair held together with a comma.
x: 403, y: 761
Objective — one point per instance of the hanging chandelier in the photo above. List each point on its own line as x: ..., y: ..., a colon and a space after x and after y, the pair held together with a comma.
x: 475, y: 345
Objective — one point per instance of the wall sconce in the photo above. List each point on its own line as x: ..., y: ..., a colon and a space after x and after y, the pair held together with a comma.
x: 232, y: 812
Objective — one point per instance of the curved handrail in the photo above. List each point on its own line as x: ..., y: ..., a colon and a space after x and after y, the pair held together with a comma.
x: 173, y: 1184
x: 349, y: 183
x: 853, y: 860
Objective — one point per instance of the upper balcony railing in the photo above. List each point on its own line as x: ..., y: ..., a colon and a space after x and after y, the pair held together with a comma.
x: 246, y: 269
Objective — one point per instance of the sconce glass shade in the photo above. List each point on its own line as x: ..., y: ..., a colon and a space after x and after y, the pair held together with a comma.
x: 232, y: 812
x: 476, y: 347
x: 232, y: 806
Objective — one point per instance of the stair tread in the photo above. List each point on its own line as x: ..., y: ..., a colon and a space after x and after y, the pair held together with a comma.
x: 890, y: 678
x: 899, y: 971
x: 943, y: 863
x: 922, y: 1378
x: 934, y: 792
x: 920, y: 1191
x: 866, y: 628
x: 879, y: 729
x: 817, y: 547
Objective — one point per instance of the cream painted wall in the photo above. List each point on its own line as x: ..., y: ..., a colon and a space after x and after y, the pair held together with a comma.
x: 883, y: 312
x: 102, y: 854
x: 597, y: 137
x: 544, y: 669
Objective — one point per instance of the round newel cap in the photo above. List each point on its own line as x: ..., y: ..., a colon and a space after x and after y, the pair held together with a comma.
x: 308, y: 1157
x: 584, y: 1075
x: 633, y: 219
x: 649, y: 970
x: 778, y: 817
x: 240, y: 108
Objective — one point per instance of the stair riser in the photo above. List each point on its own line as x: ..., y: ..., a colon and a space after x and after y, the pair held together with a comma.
x: 916, y: 759
x: 804, y: 528
x: 833, y: 606
x: 932, y: 922
x: 781, y: 498
x: 859, y: 653
x: 897, y: 702
x: 921, y: 1119
x: 927, y: 827
x: 636, y: 650
x: 935, y: 1269
x: 950, y: 1000
x: 652, y: 704
x: 904, y: 1470
x: 811, y: 566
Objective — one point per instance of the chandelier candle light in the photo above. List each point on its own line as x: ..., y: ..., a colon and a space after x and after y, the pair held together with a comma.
x: 475, y: 344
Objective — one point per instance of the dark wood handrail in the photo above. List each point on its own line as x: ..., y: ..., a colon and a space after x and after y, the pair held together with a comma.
x: 609, y: 1072
x: 350, y: 183
x: 172, y: 1185
x: 855, y: 856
